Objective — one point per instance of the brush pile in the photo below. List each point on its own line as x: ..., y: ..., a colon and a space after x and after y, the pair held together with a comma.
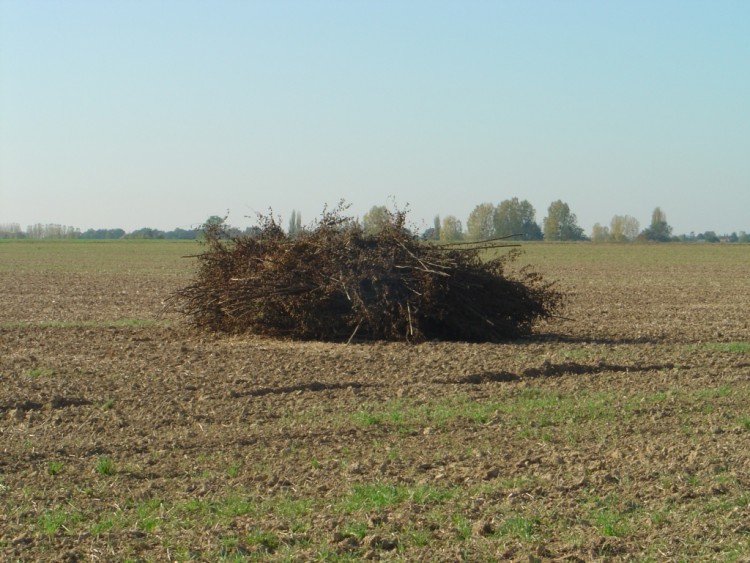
x: 335, y: 282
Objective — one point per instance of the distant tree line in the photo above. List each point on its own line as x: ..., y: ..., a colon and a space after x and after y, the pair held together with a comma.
x: 38, y: 231
x: 624, y: 228
x: 103, y: 234
x: 511, y: 218
x: 53, y: 231
x: 711, y: 236
x: 177, y: 234
x: 515, y: 219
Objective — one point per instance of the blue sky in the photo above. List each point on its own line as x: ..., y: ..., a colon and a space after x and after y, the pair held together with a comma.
x: 162, y: 113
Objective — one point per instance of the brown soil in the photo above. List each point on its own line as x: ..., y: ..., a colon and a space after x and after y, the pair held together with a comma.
x: 626, y: 435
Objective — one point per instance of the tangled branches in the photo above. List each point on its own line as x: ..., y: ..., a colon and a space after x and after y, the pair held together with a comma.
x: 334, y: 282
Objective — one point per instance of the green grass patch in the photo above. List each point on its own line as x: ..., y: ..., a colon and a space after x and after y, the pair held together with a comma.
x: 107, y: 404
x: 233, y: 469
x: 641, y: 400
x: 371, y: 496
x: 154, y: 514
x: 50, y: 521
x: 40, y: 372
x: 149, y: 514
x: 418, y: 537
x: 103, y: 525
x: 405, y: 416
x: 356, y: 529
x: 220, y: 510
x: 578, y: 354
x: 713, y: 392
x: 610, y: 522
x: 154, y: 257
x: 532, y: 412
x: 726, y: 504
x: 105, y: 465
x: 233, y: 505
x: 519, y: 527
x: 461, y: 526
x: 55, y: 467
x: 374, y: 496
x: 733, y: 347
x: 157, y: 515
x: 611, y: 515
x: 290, y: 509
x: 265, y: 540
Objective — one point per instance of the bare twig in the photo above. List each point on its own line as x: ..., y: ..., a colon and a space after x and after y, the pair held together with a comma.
x: 468, y: 242
x: 356, y: 328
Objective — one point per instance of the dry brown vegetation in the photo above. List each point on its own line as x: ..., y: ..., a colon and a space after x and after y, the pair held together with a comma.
x: 620, y: 432
x: 335, y: 282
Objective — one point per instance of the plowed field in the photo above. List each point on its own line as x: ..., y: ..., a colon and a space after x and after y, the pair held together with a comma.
x: 619, y: 432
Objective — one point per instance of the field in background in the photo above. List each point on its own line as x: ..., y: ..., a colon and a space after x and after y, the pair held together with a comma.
x: 619, y: 431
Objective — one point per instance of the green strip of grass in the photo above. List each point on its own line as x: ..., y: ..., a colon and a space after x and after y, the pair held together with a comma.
x: 735, y: 347
x: 372, y: 496
x: 531, y: 407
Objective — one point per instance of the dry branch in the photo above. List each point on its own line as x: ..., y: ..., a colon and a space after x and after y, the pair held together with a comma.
x: 334, y: 281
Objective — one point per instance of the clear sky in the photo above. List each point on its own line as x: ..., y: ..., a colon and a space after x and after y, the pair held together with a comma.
x: 161, y: 113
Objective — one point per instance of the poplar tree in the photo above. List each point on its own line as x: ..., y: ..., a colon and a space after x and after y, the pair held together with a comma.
x: 561, y: 224
x: 481, y: 222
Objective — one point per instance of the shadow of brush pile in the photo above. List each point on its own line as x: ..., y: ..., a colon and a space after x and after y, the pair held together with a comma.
x: 335, y: 282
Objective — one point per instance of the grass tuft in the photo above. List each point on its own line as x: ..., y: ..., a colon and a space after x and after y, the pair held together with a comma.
x: 54, y: 467
x: 40, y: 372
x: 51, y: 521
x: 105, y: 466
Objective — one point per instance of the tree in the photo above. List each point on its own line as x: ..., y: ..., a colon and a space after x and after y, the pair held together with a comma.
x: 11, y: 230
x: 146, y: 233
x: 105, y: 234
x: 659, y: 230
x: 295, y: 223
x: 481, y: 222
x: 561, y: 224
x: 51, y: 230
x: 432, y: 233
x: 429, y: 234
x: 624, y: 228
x: 514, y: 217
x: 600, y: 233
x: 374, y: 220
x: 451, y: 230
x: 181, y: 234
x: 508, y: 218
x: 530, y: 228
x: 217, y: 224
